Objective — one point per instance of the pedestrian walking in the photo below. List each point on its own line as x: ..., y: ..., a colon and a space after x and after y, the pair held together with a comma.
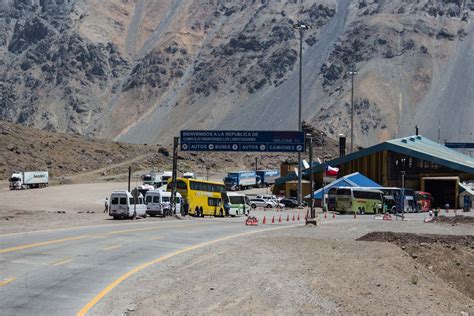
x: 106, y: 205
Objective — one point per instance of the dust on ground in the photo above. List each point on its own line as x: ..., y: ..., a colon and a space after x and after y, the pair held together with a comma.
x: 451, y: 257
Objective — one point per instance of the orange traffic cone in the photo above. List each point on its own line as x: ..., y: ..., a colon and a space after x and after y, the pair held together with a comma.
x: 273, y: 219
x: 298, y: 216
x: 288, y: 218
x: 264, y: 220
x: 333, y: 215
x: 279, y: 220
x: 293, y: 217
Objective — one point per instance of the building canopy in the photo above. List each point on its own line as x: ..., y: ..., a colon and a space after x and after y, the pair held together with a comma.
x: 355, y: 179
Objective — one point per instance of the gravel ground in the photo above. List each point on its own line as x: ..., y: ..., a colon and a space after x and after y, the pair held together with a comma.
x: 301, y: 270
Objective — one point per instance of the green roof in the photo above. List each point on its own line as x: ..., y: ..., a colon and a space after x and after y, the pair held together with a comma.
x: 414, y: 146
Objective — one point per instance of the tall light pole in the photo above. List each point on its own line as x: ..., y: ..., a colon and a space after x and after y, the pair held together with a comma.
x: 311, y: 206
x: 401, y: 164
x: 352, y: 73
x: 300, y: 27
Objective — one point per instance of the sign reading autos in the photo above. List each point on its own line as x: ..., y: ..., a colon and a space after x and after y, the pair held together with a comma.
x: 252, y: 141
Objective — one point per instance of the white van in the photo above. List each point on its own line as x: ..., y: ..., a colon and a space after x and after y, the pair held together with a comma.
x: 159, y: 203
x: 122, y: 205
x: 236, y: 204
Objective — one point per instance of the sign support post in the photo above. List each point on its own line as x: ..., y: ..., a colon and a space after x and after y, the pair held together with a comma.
x: 174, y: 176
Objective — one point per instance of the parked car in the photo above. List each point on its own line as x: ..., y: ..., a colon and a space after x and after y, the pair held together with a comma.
x: 254, y: 203
x: 289, y: 203
x: 271, y: 198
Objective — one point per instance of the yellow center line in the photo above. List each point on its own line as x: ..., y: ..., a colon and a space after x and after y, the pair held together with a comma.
x: 43, y: 243
x: 112, y: 285
x: 57, y: 241
x: 112, y: 247
x: 62, y: 261
x: 6, y: 281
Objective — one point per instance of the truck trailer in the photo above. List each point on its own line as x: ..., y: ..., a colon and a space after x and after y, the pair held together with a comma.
x: 29, y: 179
x: 240, y: 180
x: 267, y: 177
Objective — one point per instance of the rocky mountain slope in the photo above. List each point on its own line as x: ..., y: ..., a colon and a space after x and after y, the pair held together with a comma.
x: 83, y: 159
x: 141, y: 70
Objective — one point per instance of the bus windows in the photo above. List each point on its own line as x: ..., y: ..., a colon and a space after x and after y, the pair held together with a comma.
x: 342, y: 191
x: 213, y: 202
x: 180, y: 184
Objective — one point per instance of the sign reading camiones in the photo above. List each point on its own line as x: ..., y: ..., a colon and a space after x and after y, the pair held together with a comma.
x: 252, y: 141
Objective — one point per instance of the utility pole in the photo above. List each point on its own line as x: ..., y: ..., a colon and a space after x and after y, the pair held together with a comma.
x: 256, y: 176
x: 352, y: 73
x: 300, y: 27
x: 174, y: 176
x: 401, y: 164
x: 312, y: 217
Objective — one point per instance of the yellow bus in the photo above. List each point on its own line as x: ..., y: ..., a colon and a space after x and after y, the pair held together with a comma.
x: 201, y: 197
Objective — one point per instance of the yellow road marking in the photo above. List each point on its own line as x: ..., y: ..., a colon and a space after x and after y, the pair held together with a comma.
x: 112, y: 247
x: 90, y: 226
x: 112, y: 285
x: 6, y: 281
x: 43, y: 243
x: 62, y: 261
x: 56, y: 241
x: 156, y: 238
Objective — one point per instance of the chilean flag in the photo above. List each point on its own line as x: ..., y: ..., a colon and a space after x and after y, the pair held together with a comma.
x: 330, y: 171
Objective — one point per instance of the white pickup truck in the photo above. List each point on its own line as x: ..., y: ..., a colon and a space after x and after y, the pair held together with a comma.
x: 29, y: 179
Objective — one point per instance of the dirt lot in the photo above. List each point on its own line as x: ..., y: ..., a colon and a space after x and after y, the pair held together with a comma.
x: 289, y: 271
x: 450, y: 257
x: 458, y: 219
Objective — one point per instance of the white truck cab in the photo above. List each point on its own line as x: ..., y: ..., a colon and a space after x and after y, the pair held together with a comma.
x: 158, y: 202
x: 122, y: 205
x: 188, y: 175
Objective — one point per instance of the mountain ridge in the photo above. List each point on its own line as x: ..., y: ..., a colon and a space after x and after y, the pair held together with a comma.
x: 139, y: 71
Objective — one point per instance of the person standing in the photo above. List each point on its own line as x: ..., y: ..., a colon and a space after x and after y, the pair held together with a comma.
x: 106, y: 205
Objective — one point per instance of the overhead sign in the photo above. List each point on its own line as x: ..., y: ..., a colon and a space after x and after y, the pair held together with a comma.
x: 459, y: 145
x: 251, y: 141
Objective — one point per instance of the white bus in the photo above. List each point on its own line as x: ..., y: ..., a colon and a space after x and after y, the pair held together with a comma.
x: 359, y: 200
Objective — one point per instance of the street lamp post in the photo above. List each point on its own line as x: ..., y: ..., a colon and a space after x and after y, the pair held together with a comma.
x: 300, y: 27
x: 311, y: 191
x: 401, y: 164
x: 352, y: 73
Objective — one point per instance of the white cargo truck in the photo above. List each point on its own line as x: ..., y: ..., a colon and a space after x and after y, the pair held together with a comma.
x: 29, y: 179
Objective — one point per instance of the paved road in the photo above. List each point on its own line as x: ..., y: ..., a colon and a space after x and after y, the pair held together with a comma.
x: 58, y: 272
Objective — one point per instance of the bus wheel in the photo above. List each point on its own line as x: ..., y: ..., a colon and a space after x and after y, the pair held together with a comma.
x: 201, y: 212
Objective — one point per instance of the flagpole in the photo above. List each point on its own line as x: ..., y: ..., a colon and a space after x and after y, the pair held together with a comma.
x: 324, y: 169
